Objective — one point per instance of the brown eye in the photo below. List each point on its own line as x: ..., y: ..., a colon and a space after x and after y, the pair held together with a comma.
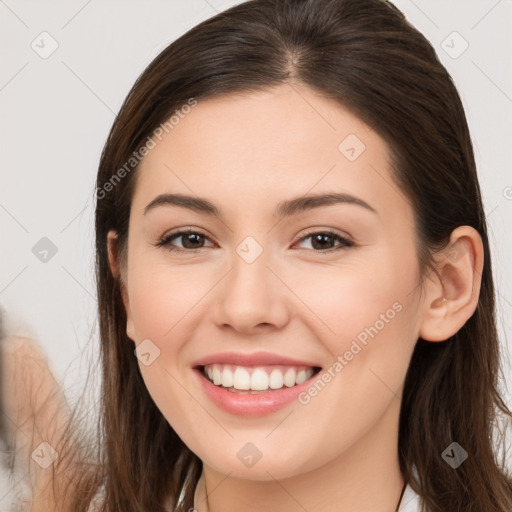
x: 323, y: 241
x: 190, y: 240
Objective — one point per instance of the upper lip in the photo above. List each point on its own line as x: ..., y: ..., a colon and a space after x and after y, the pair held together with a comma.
x: 253, y: 359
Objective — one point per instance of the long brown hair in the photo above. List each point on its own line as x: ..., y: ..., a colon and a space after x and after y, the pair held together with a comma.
x: 366, y: 56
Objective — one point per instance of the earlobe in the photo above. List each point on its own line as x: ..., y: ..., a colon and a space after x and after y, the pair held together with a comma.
x: 452, y: 295
x: 113, y: 258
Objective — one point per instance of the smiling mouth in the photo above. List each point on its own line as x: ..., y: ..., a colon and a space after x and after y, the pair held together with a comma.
x: 256, y: 379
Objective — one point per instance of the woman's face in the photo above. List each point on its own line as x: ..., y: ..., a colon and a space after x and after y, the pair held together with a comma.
x: 257, y: 277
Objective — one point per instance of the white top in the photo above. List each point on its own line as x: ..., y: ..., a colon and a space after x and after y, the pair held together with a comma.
x: 410, y: 501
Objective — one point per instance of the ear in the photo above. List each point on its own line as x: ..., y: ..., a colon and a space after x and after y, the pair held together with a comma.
x: 115, y: 267
x: 452, y: 297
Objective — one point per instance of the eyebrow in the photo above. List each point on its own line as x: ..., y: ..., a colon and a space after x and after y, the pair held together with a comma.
x: 284, y: 209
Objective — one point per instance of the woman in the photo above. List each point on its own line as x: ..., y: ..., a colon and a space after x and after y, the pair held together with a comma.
x: 247, y: 363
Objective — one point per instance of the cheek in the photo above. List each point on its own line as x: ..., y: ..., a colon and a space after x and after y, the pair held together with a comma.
x: 353, y: 301
x: 162, y: 296
x: 371, y: 348
x: 367, y: 319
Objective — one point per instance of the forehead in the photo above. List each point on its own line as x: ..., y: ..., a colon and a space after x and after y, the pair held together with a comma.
x: 257, y: 148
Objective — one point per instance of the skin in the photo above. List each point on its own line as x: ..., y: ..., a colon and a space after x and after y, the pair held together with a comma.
x: 245, y: 153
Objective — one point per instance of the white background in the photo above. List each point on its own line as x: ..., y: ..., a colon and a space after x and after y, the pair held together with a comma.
x: 56, y: 114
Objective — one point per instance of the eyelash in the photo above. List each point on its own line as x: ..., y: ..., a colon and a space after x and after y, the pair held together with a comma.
x: 166, y: 241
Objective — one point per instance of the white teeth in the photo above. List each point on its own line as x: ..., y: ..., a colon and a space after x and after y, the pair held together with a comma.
x: 241, y: 379
x: 259, y: 380
x: 275, y: 379
x: 217, y: 376
x: 289, y: 377
x: 256, y: 379
x: 227, y: 378
x: 301, y: 377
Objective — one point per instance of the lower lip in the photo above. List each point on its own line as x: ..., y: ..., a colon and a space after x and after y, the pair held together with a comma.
x: 257, y: 404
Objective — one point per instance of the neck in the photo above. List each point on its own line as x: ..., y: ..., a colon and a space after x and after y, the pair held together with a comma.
x: 365, y: 477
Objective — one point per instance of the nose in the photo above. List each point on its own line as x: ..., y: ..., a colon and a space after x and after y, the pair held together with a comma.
x: 252, y: 297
